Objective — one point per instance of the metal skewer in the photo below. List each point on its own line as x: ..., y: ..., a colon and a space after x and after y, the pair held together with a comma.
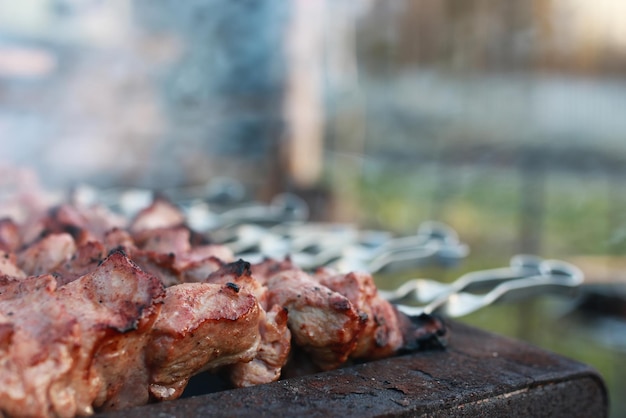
x: 426, y: 290
x: 553, y: 276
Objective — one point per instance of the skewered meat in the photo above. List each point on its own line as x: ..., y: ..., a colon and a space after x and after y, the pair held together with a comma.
x: 98, y: 313
x: 8, y: 265
x: 275, y: 344
x: 195, y: 332
x: 53, y: 364
x: 324, y: 323
x: 382, y: 330
x: 381, y: 335
x: 85, y: 259
x: 272, y: 354
x: 9, y: 235
x: 115, y: 306
x: 161, y: 214
x: 40, y: 341
x: 16, y: 287
x: 114, y: 338
x: 47, y: 254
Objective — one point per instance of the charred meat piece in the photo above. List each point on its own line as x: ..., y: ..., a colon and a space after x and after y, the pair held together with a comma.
x: 160, y: 214
x: 240, y: 273
x: 272, y: 354
x: 177, y: 240
x: 268, y: 268
x: 8, y: 265
x: 118, y: 238
x: 82, y: 223
x: 160, y: 265
x: 164, y: 240
x: 54, y: 364
x: 381, y: 335
x: 17, y: 287
x: 41, y: 344
x: 47, y: 254
x: 323, y: 323
x: 202, y: 326
x: 66, y: 218
x: 275, y: 345
x: 117, y: 304
x: 99, y: 220
x: 199, y: 271
x: 85, y: 260
x: 167, y: 253
x: 10, y: 239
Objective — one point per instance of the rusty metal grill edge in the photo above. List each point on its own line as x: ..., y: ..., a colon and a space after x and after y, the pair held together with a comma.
x: 479, y: 374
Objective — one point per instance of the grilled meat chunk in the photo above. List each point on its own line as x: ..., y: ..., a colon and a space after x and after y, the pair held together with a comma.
x: 118, y: 238
x: 10, y: 239
x: 99, y: 313
x: 202, y: 326
x: 117, y: 304
x: 168, y: 253
x: 381, y: 336
x: 8, y: 265
x: 47, y: 254
x: 164, y: 240
x: 275, y: 343
x: 160, y: 214
x: 86, y: 259
x: 40, y: 347
x: 54, y: 365
x: 323, y: 322
x: 16, y: 287
x: 272, y: 354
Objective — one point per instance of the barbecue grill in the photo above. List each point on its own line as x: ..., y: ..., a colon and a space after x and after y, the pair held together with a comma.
x: 478, y: 374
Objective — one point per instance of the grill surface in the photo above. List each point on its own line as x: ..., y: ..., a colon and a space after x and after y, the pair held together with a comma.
x: 479, y: 374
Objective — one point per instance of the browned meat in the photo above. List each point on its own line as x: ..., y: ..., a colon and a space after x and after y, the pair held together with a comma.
x: 381, y: 335
x: 167, y: 252
x: 164, y: 240
x: 118, y: 238
x: 203, y: 252
x: 12, y: 287
x: 99, y: 220
x: 272, y: 354
x: 240, y: 273
x: 41, y: 346
x: 177, y: 240
x: 160, y: 214
x: 8, y: 265
x: 67, y: 218
x: 202, y: 326
x: 117, y: 304
x: 81, y: 330
x: 160, y: 265
x: 53, y: 365
x: 86, y: 259
x: 47, y: 254
x: 275, y: 344
x: 10, y: 239
x: 199, y: 271
x: 323, y: 322
x: 268, y: 268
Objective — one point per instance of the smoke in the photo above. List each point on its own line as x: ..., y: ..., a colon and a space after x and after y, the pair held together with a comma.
x: 163, y: 95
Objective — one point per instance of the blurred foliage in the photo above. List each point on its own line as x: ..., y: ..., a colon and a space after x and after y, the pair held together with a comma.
x: 484, y: 204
